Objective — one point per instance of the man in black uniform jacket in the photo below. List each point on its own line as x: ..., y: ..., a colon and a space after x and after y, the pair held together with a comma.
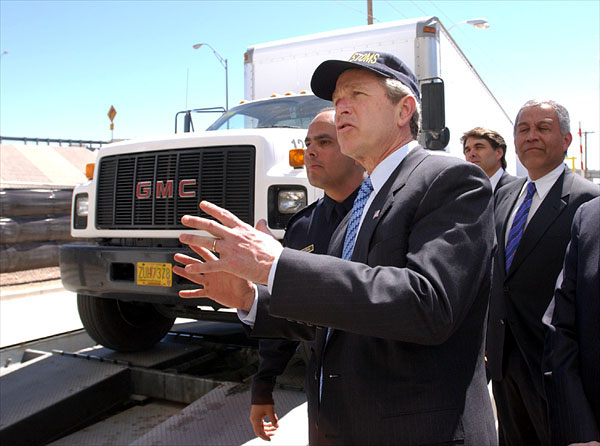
x: 308, y: 230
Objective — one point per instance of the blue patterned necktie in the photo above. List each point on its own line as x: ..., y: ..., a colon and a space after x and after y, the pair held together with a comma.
x: 351, y: 232
x: 357, y: 209
x: 516, y: 230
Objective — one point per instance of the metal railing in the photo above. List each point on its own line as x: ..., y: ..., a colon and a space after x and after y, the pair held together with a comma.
x: 89, y: 144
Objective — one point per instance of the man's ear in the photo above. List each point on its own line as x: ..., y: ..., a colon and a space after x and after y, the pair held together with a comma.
x: 406, y: 107
x: 499, y: 153
x: 567, y: 141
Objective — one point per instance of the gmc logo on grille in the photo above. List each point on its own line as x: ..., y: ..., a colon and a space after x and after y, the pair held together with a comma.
x: 164, y: 189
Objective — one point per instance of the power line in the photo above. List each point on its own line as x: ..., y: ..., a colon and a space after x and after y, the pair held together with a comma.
x: 450, y: 21
x: 397, y: 10
x: 418, y: 7
x: 356, y: 10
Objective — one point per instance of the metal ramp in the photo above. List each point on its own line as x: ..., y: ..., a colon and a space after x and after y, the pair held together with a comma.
x: 56, y: 393
x: 45, y: 399
x: 99, y: 396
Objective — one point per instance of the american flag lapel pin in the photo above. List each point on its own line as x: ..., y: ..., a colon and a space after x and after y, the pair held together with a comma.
x: 376, y: 214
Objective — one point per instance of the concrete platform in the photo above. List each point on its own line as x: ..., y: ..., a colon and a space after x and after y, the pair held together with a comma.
x: 37, y: 313
x: 221, y: 418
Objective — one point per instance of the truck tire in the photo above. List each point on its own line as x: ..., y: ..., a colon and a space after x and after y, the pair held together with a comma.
x: 122, y: 326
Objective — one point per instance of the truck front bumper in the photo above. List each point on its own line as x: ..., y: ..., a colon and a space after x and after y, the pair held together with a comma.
x: 110, y: 272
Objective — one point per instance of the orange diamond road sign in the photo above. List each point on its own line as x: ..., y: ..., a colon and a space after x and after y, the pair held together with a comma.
x: 112, y: 113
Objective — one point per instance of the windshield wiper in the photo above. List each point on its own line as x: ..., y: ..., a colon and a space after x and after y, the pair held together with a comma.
x: 278, y: 127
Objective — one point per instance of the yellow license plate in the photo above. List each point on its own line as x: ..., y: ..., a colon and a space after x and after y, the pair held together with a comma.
x: 154, y: 274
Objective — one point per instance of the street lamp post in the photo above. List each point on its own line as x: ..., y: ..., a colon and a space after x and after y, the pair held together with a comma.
x: 480, y: 23
x: 224, y: 63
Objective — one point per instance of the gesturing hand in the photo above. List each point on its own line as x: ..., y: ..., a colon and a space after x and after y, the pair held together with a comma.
x: 243, y: 251
x: 224, y: 288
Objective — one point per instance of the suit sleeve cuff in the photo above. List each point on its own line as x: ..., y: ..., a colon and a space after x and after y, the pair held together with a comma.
x: 249, y: 317
x: 262, y: 392
x: 272, y: 272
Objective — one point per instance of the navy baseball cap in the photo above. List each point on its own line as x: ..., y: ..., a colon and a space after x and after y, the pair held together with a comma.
x: 387, y: 65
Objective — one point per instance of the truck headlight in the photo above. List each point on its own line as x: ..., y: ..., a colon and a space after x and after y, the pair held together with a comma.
x: 284, y: 201
x: 82, y: 205
x: 80, y: 211
x: 290, y: 201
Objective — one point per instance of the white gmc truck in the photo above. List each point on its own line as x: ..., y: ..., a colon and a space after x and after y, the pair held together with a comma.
x: 127, y: 217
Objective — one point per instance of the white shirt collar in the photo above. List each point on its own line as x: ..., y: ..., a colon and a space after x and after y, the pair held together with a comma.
x: 494, y: 179
x: 545, y: 183
x: 386, y: 167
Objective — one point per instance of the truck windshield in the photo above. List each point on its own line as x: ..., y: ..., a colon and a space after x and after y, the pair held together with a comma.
x: 286, y: 111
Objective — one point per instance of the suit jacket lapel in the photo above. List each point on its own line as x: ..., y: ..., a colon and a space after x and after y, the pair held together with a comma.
x: 383, y: 201
x: 506, y: 203
x: 336, y: 243
x: 380, y: 205
x: 554, y: 203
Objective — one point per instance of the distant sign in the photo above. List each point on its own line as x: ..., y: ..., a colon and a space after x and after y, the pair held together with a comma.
x: 112, y: 113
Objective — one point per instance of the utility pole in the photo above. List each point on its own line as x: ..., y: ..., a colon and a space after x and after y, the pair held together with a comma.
x: 581, y: 151
x: 586, y: 152
x: 583, y: 156
x: 369, y: 12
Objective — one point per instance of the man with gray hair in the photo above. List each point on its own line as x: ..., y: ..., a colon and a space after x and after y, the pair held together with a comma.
x: 398, y: 307
x: 533, y: 218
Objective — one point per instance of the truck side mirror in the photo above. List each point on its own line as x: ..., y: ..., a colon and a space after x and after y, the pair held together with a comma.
x: 434, y: 133
x: 187, y: 120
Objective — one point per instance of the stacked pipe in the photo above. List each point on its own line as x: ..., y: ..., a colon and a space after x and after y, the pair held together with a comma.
x: 33, y: 223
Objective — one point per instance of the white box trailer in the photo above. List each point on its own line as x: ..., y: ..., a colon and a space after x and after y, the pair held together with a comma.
x: 423, y: 44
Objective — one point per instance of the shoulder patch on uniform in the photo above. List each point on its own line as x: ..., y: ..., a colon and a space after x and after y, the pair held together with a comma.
x: 301, y: 212
x: 309, y: 248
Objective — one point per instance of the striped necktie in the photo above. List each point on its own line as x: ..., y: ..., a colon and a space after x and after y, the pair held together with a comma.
x: 351, y: 232
x: 357, y: 209
x: 516, y: 230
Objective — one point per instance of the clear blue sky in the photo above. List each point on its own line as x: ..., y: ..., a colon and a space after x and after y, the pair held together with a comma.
x: 67, y: 62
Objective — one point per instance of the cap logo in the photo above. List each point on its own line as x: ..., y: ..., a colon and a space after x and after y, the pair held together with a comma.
x: 364, y: 57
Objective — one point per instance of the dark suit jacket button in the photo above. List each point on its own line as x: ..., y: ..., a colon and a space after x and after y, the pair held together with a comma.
x: 501, y: 321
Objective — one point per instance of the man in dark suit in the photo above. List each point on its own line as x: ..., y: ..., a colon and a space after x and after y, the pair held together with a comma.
x: 571, y: 361
x: 487, y: 149
x: 400, y: 317
x: 308, y: 230
x: 533, y: 217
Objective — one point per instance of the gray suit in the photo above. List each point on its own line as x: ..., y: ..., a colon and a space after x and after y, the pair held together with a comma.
x: 404, y: 362
x: 505, y: 179
x: 515, y: 336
